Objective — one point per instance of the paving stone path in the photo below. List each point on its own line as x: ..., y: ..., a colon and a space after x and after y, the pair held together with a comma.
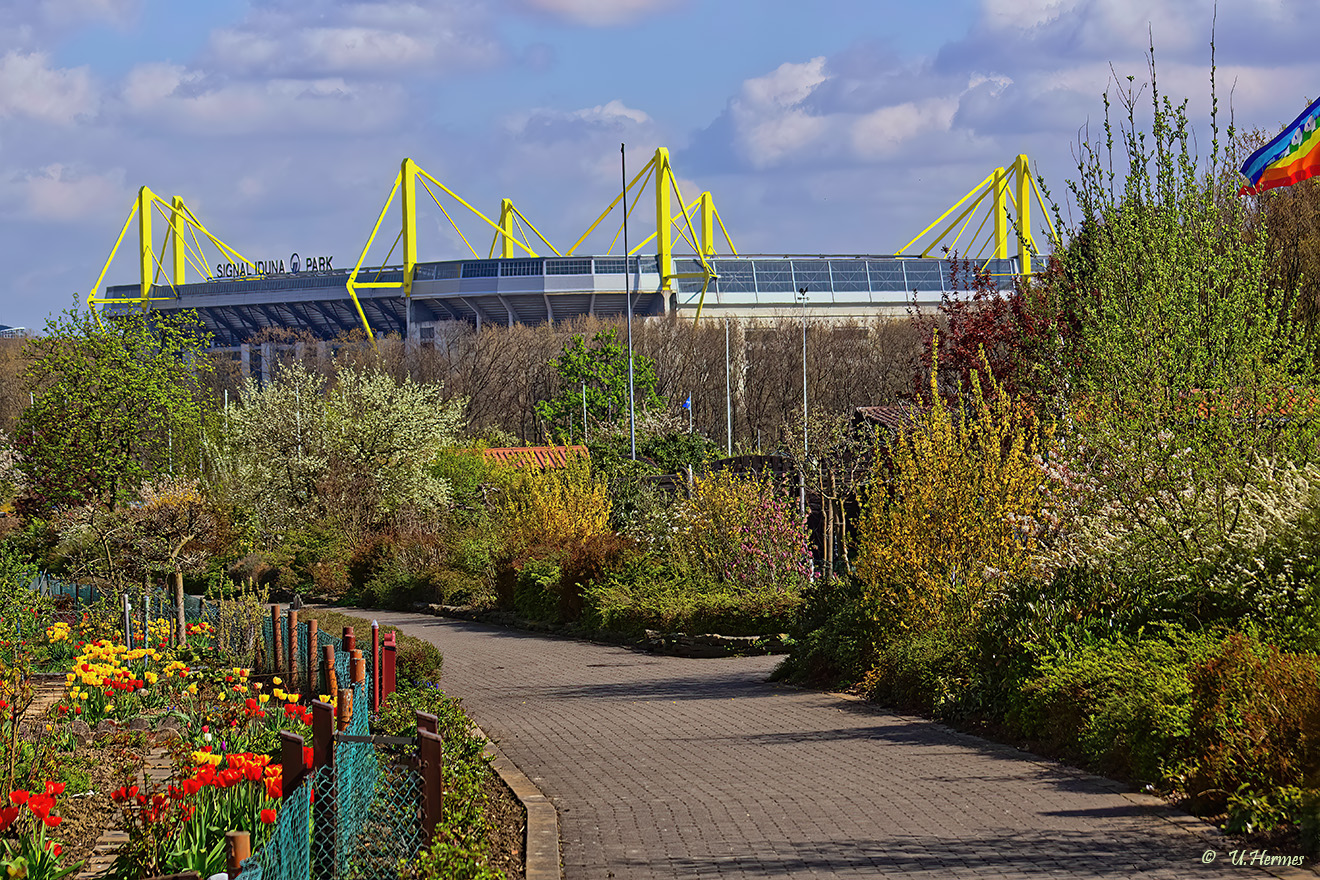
x: 665, y: 767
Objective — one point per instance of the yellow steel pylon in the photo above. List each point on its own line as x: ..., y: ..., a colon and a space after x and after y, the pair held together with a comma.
x: 1004, y: 188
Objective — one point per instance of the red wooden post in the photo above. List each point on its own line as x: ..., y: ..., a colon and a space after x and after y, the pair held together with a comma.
x: 277, y: 639
x: 239, y: 847
x: 427, y: 721
x: 292, y: 662
x: 430, y: 748
x: 313, y: 654
x: 375, y: 666
x: 388, y: 655
x: 292, y: 761
x: 344, y: 709
x: 328, y: 663
x: 323, y: 734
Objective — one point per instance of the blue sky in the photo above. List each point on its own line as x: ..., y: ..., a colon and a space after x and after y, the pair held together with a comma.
x: 840, y: 126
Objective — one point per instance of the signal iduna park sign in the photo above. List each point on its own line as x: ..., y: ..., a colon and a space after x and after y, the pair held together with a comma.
x: 296, y: 266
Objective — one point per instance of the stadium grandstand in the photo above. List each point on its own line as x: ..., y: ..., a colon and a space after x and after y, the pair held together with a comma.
x: 687, y: 266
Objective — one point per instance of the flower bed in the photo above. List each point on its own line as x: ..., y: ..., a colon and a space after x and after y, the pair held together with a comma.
x: 215, y: 727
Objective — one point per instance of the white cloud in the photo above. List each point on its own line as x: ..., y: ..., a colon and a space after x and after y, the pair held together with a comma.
x: 318, y: 38
x: 599, y: 13
x: 57, y: 193
x: 883, y: 132
x: 174, y: 96
x: 30, y: 87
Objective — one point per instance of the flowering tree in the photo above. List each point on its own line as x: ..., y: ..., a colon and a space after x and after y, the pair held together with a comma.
x: 359, y: 449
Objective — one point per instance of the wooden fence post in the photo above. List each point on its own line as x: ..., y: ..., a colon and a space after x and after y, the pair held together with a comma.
x: 388, y: 656
x: 375, y: 666
x: 292, y: 662
x: 357, y: 667
x: 277, y: 639
x: 349, y: 640
x: 344, y: 709
x: 325, y: 806
x: 430, y: 748
x: 323, y: 734
x: 328, y: 661
x: 180, y: 617
x: 292, y: 761
x: 313, y: 654
x: 239, y: 846
x: 427, y: 721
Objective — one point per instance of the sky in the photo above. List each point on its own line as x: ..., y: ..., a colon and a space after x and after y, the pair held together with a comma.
x: 834, y: 126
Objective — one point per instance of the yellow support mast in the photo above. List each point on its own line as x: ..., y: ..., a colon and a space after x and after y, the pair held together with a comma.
x: 1007, y: 187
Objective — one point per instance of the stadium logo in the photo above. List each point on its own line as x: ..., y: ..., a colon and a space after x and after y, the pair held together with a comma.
x: 296, y: 266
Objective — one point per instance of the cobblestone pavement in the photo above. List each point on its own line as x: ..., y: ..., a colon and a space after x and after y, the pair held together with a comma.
x: 681, y: 768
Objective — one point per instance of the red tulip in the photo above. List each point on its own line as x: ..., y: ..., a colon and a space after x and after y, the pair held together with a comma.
x: 268, y: 816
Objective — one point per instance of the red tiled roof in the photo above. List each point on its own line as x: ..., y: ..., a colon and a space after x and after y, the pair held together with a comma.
x: 538, y: 456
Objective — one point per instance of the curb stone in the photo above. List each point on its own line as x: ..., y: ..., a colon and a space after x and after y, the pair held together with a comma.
x: 675, y: 644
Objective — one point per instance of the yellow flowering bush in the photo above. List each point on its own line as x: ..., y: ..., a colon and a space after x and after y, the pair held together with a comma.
x: 952, y: 515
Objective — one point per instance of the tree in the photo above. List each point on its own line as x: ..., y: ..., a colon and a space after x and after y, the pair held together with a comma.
x: 117, y: 399
x: 358, y: 449
x: 602, y: 369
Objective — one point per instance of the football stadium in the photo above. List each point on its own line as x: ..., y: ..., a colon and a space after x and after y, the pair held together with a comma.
x: 687, y: 266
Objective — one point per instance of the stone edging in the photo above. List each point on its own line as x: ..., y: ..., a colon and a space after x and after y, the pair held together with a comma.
x: 542, y: 858
x: 672, y: 644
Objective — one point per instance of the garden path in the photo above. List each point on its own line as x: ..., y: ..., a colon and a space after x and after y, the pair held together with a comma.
x: 664, y: 767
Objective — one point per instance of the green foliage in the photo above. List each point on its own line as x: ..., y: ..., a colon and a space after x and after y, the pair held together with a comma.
x: 1120, y: 705
x: 536, y: 594
x: 116, y: 401
x: 926, y: 671
x: 461, y: 843
x: 829, y: 649
x: 602, y: 368
x: 645, y: 592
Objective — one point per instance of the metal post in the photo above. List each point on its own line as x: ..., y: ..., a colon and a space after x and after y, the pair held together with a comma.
x: 584, y: 411
x: 627, y: 294
x: 323, y: 734
x: 375, y: 666
x: 388, y: 667
x: 802, y: 494
x: 430, y: 748
x: 427, y: 721
x: 728, y: 394
x: 128, y: 623
x: 146, y: 612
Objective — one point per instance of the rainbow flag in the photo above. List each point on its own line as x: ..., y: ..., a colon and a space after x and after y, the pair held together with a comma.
x: 1291, y: 157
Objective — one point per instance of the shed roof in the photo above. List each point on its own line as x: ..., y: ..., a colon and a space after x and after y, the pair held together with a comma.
x: 538, y: 456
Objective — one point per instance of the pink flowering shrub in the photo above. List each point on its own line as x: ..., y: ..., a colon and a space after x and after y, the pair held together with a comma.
x: 736, y: 528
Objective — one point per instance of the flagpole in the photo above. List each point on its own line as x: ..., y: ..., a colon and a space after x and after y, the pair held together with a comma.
x: 627, y: 296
